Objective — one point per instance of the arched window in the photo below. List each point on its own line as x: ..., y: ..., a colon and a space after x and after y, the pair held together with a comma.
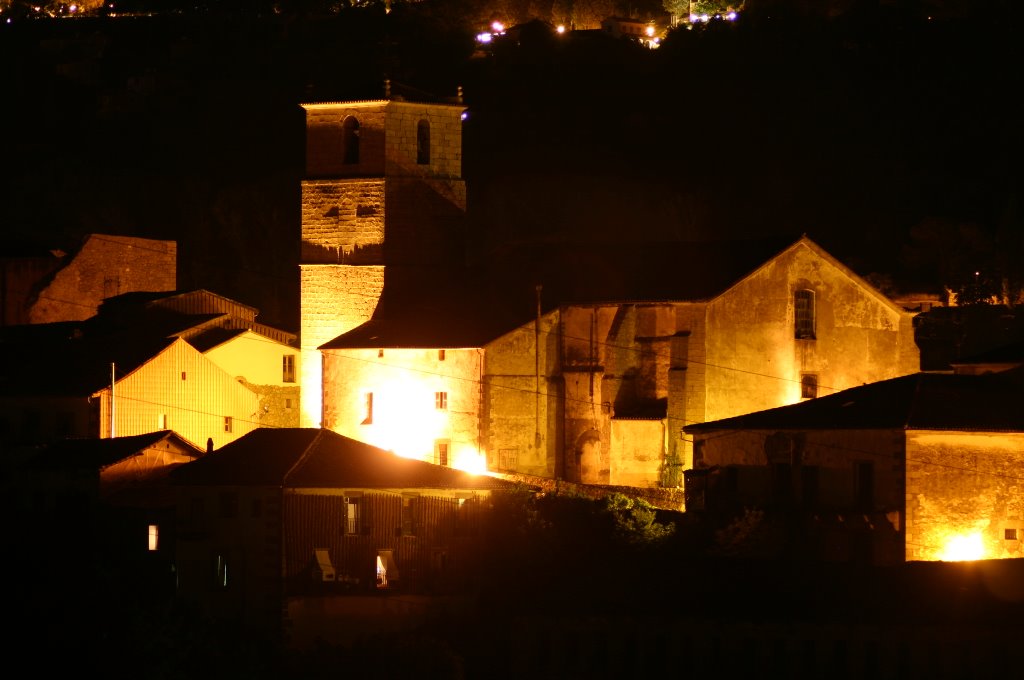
x: 351, y: 132
x: 423, y: 142
x: 804, y: 314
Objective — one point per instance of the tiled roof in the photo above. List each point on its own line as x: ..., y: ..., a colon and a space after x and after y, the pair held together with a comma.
x: 315, y: 458
x: 922, y: 401
x: 96, y: 454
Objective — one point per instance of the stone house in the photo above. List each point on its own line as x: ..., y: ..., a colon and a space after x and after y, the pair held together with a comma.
x: 920, y: 467
x: 104, y: 266
x: 345, y: 522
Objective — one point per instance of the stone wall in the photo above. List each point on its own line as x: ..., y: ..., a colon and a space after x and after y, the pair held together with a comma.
x: 105, y: 266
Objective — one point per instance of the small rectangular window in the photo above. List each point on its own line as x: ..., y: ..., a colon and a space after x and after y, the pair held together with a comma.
x: 508, y: 459
x: 441, y: 401
x: 154, y: 537
x: 228, y: 423
x: 184, y: 375
x: 161, y: 421
x: 440, y: 355
x: 808, y: 386
x: 287, y: 404
x: 288, y: 368
x: 803, y: 301
x: 1010, y: 534
x: 368, y: 409
x: 380, y: 354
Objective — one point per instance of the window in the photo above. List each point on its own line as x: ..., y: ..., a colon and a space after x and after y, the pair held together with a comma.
x: 287, y: 404
x: 352, y: 516
x: 154, y: 536
x: 804, y: 309
x: 423, y: 142
x: 441, y: 447
x: 441, y: 401
x: 409, y: 518
x: 508, y: 459
x: 228, y: 505
x: 440, y: 355
x: 350, y: 131
x: 368, y: 409
x: 288, y: 368
x: 808, y: 386
x: 864, y: 490
x: 161, y: 421
x: 380, y: 354
x: 1010, y: 534
x: 228, y: 423
x: 184, y: 375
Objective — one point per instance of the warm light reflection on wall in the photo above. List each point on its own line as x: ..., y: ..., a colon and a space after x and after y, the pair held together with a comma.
x: 963, y: 548
x: 404, y: 414
x: 311, y: 394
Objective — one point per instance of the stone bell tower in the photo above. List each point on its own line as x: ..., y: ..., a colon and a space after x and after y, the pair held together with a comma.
x: 383, y: 191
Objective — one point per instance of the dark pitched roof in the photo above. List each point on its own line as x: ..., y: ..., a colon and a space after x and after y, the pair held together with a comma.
x: 96, y: 454
x: 315, y: 458
x: 59, y: 365
x: 213, y: 337
x: 921, y: 401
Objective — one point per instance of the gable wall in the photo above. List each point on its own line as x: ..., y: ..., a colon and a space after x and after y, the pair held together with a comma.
x: 195, y: 407
x: 105, y: 266
x: 754, y: 359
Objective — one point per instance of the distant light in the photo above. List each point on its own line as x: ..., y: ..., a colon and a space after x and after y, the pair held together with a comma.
x: 705, y: 18
x: 560, y: 28
x: 465, y: 115
x: 73, y: 8
x: 650, y: 31
x: 498, y: 27
x: 731, y: 16
x: 694, y: 18
x: 484, y: 38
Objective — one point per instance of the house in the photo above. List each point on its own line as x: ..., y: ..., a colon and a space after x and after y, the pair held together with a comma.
x: 104, y: 266
x: 97, y: 503
x: 598, y: 392
x: 920, y: 467
x: 307, y: 522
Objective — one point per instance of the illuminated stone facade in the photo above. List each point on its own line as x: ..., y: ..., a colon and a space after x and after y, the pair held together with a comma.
x: 383, y: 189
x: 619, y: 381
x: 105, y: 266
x: 922, y: 467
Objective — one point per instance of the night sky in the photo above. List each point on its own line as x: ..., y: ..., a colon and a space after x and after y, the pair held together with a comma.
x: 871, y: 132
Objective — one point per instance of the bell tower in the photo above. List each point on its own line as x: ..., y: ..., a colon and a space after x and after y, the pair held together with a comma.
x: 383, y: 190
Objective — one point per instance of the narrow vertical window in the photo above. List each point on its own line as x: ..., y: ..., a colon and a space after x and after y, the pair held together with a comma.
x: 423, y: 142
x: 441, y: 448
x: 352, y: 516
x: 440, y: 355
x: 808, y: 386
x: 804, y: 314
x: 184, y: 375
x: 161, y: 421
x: 154, y: 537
x: 441, y: 401
x: 409, y: 517
x: 351, y: 139
x: 288, y: 368
x: 228, y: 423
x: 368, y: 409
